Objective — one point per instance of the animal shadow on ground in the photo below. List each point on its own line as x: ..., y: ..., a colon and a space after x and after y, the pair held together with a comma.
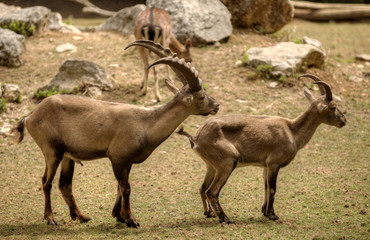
x: 68, y: 229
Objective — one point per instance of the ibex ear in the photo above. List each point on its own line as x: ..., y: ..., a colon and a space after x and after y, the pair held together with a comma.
x: 308, y: 94
x: 322, y: 107
x: 171, y: 86
x: 188, y: 43
x: 188, y: 100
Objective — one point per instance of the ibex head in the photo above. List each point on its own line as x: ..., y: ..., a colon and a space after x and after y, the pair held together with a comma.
x: 185, y: 54
x: 325, y: 104
x: 192, y: 93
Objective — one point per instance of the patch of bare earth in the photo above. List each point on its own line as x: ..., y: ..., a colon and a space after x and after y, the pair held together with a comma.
x: 216, y: 65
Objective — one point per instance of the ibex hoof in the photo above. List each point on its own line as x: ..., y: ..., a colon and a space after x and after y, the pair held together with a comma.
x: 121, y: 220
x: 84, y: 219
x: 230, y: 222
x: 209, y: 214
x: 118, y: 218
x: 273, y: 217
x: 51, y: 221
x: 132, y: 224
x: 227, y: 221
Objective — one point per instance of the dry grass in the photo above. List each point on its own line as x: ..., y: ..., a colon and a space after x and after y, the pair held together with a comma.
x: 322, y: 194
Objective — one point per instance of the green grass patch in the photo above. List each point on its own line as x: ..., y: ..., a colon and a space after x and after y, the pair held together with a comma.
x: 20, y: 28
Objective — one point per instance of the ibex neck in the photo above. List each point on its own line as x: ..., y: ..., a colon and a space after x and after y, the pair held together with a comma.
x: 164, y: 120
x: 304, y: 126
x: 175, y: 45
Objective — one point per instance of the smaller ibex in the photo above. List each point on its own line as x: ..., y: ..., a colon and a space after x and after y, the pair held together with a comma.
x: 155, y: 24
x: 270, y: 142
x: 71, y: 129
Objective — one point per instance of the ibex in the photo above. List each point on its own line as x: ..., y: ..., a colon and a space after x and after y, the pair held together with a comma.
x: 270, y: 142
x: 155, y: 24
x: 71, y: 129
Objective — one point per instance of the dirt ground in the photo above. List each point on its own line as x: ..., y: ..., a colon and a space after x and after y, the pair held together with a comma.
x: 215, y: 64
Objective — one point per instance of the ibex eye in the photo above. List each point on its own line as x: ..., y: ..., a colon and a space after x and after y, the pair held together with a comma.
x: 201, y: 98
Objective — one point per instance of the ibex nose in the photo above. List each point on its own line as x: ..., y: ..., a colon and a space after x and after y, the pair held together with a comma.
x: 217, y: 107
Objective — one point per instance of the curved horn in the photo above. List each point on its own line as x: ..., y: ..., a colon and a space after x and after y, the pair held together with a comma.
x: 328, y: 94
x: 316, y: 79
x: 183, y: 70
x: 152, y: 46
x: 160, y: 51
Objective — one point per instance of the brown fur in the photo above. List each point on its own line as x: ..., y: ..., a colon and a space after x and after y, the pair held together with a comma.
x: 270, y: 142
x: 71, y: 129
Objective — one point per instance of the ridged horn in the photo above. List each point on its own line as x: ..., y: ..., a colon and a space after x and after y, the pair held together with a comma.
x: 316, y: 79
x: 183, y: 70
x: 328, y: 94
x: 152, y: 46
x: 160, y: 51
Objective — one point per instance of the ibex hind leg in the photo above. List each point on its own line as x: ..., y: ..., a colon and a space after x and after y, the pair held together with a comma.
x: 65, y: 187
x: 52, y: 161
x: 221, y: 176
x: 144, y: 54
x: 210, y: 174
x: 156, y: 85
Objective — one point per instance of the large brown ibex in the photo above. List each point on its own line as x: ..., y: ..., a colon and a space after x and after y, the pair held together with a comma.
x: 155, y: 24
x: 270, y: 142
x: 71, y: 129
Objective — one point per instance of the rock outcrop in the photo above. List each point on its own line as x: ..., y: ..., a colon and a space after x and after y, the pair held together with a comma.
x: 75, y: 74
x: 266, y: 16
x: 286, y: 58
x: 123, y: 21
x: 206, y: 21
x: 11, y: 48
x: 34, y: 18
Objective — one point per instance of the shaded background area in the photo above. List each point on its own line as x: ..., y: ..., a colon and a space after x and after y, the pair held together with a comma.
x: 67, y: 8
x: 341, y: 1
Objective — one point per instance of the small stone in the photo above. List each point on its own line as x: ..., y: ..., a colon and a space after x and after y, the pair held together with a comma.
x: 241, y: 101
x: 217, y: 44
x: 11, y: 92
x: 66, y: 47
x: 312, y: 42
x: 238, y: 63
x: 77, y: 38
x: 363, y: 57
x: 273, y: 84
x: 356, y: 79
x: 94, y: 92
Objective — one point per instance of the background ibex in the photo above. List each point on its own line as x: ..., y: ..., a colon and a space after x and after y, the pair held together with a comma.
x: 155, y: 24
x: 270, y: 142
x: 71, y: 129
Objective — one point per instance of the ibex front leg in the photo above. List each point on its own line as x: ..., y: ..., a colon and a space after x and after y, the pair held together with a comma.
x: 270, y: 176
x: 122, y: 174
